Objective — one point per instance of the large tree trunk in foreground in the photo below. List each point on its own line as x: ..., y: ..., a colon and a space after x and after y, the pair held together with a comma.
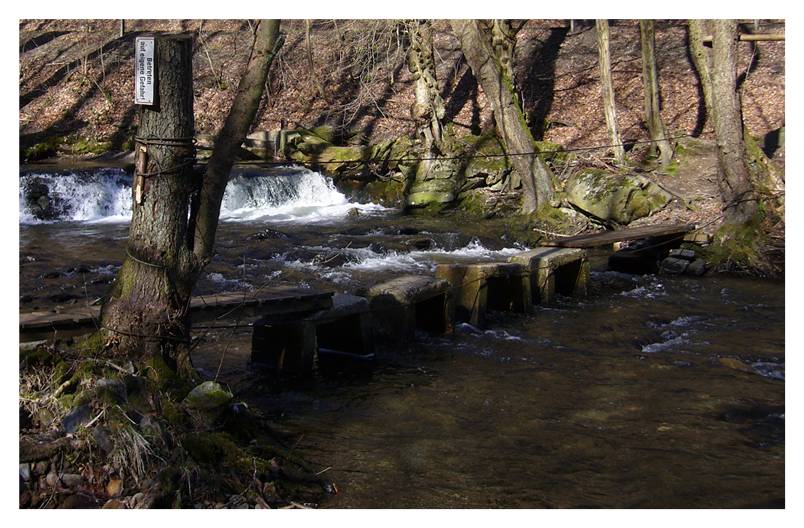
x: 227, y: 144
x: 145, y: 314
x: 173, y: 224
x: 737, y: 193
x: 498, y: 87
x: 650, y: 83
x: 609, y: 107
x: 428, y: 107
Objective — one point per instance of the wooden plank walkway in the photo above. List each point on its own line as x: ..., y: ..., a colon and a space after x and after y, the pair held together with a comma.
x: 620, y: 235
x: 279, y: 300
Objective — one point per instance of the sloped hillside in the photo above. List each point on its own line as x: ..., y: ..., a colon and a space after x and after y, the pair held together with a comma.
x: 76, y: 80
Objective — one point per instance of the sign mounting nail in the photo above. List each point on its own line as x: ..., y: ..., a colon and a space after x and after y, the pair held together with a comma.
x: 145, y: 74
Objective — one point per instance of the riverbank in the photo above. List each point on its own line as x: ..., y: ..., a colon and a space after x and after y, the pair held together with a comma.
x: 645, y: 384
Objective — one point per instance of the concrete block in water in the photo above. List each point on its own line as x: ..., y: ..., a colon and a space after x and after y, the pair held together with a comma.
x: 554, y: 270
x: 477, y: 288
x: 343, y: 332
x: 291, y: 344
x: 401, y: 306
x: 285, y: 347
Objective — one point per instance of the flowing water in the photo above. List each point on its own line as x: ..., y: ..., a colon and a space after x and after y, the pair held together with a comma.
x: 650, y: 392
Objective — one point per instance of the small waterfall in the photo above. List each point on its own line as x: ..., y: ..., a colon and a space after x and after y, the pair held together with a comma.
x: 284, y: 194
x: 76, y: 196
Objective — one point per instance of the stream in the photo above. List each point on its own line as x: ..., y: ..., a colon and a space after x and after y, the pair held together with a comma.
x: 652, y: 391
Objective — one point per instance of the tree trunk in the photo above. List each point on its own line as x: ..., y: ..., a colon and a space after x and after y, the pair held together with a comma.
x: 650, y: 83
x: 175, y: 217
x: 145, y: 314
x: 609, y: 107
x: 498, y: 87
x: 696, y: 30
x: 737, y: 193
x: 503, y: 41
x: 428, y: 107
x: 308, y: 25
x: 227, y: 143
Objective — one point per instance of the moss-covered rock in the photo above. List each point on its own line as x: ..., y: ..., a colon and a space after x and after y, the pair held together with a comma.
x: 385, y: 192
x: 738, y: 247
x: 435, y: 183
x: 473, y: 202
x: 208, y: 396
x: 44, y: 149
x: 616, y: 198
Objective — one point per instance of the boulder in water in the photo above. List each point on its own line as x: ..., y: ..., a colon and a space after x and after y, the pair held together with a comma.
x: 334, y: 259
x: 674, y: 266
x: 268, y: 234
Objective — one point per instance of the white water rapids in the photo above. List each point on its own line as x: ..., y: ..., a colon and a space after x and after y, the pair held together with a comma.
x: 290, y: 194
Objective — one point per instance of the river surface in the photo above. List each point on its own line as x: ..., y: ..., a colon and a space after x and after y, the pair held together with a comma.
x: 652, y: 391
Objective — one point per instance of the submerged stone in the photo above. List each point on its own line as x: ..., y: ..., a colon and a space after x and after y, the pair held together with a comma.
x: 697, y: 267
x: 673, y: 266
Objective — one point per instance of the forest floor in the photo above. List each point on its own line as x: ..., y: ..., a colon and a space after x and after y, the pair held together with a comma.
x: 75, y: 80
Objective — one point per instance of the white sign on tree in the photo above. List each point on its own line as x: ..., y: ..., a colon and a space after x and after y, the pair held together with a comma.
x: 144, y: 75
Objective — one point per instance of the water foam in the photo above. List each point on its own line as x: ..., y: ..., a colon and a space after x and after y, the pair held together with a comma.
x: 287, y: 194
x: 428, y: 259
x: 295, y: 194
x: 368, y: 260
x: 81, y: 196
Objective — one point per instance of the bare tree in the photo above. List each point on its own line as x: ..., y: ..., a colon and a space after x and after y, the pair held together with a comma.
x: 650, y: 83
x: 308, y: 26
x: 428, y: 107
x: 735, y: 182
x: 249, y: 92
x: 498, y: 86
x: 696, y: 30
x: 609, y: 107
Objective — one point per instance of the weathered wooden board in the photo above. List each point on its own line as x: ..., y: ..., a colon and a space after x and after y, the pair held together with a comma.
x: 620, y: 235
x: 245, y: 305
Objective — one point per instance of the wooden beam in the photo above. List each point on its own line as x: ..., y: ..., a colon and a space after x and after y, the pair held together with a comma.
x: 609, y: 237
x: 752, y: 37
x: 275, y: 301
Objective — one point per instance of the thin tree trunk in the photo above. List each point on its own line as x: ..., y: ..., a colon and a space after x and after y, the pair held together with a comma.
x: 227, y: 143
x: 609, y: 107
x: 650, y: 82
x: 145, y: 314
x: 428, y: 107
x: 511, y: 125
x: 308, y: 25
x: 736, y: 191
x: 696, y: 30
